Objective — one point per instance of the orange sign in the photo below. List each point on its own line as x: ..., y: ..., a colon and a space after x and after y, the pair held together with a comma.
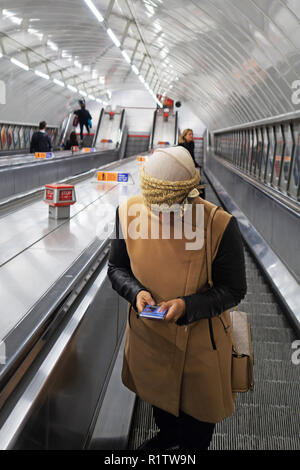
x: 105, y: 176
x: 141, y: 159
x: 43, y: 155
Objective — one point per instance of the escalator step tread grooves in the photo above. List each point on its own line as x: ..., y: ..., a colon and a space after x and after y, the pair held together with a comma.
x: 268, y: 418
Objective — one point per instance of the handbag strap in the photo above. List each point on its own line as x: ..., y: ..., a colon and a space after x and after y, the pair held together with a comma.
x: 209, y: 259
x: 209, y: 262
x: 209, y: 245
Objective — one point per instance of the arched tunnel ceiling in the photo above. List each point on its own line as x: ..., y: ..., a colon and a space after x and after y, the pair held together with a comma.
x: 234, y: 61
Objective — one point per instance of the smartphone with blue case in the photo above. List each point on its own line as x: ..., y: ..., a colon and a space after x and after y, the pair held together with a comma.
x: 151, y: 311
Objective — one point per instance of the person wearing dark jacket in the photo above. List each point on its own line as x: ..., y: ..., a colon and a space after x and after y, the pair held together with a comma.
x: 83, y: 118
x: 40, y: 141
x: 182, y: 364
x: 186, y: 140
x: 72, y: 141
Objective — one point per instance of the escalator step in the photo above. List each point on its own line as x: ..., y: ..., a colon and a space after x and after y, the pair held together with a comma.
x: 258, y: 287
x: 144, y: 425
x: 261, y: 420
x: 282, y: 335
x: 258, y: 308
x: 272, y: 350
x: 248, y: 442
x: 273, y: 392
x: 272, y: 321
x: 263, y: 298
x: 270, y: 369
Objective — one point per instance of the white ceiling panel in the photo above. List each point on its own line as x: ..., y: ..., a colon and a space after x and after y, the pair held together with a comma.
x: 233, y: 60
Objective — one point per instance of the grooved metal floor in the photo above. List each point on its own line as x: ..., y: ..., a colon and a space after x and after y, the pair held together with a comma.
x: 269, y: 417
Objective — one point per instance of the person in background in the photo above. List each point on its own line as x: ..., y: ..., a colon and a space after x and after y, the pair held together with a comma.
x: 186, y: 140
x: 40, y: 141
x: 83, y: 118
x: 72, y: 141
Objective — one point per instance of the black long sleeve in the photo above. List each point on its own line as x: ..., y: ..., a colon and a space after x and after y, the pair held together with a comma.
x: 83, y: 115
x: 190, y: 146
x: 50, y: 143
x: 228, y: 272
x: 32, y: 144
x: 40, y: 142
x: 119, y: 269
x: 229, y: 280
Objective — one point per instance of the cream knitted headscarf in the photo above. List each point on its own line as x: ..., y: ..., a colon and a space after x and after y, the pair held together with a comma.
x: 169, y: 177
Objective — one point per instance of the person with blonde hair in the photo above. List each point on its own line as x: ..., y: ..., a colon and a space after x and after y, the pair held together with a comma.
x: 186, y: 140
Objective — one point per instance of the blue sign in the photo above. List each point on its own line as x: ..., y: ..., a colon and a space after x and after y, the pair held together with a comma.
x: 49, y: 154
x: 123, y: 177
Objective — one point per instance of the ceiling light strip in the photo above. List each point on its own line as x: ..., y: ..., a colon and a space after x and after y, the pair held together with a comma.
x: 94, y: 10
x: 58, y: 82
x: 113, y: 37
x: 19, y: 64
x: 117, y: 43
x: 42, y: 74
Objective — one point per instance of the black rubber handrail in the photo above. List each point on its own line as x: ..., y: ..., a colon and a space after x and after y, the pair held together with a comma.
x: 153, y: 129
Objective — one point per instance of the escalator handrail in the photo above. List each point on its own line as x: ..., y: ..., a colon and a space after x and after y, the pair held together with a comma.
x: 98, y: 127
x: 176, y: 128
x: 153, y: 130
x: 121, y: 128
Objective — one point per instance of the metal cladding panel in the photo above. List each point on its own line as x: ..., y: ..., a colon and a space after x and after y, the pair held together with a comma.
x: 65, y: 168
x: 26, y: 178
x: 22, y: 178
x: 50, y: 174
x: 278, y: 225
x: 7, y: 184
x: 78, y: 380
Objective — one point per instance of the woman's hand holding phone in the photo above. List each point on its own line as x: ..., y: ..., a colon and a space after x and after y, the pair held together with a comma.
x: 175, y: 308
x: 143, y: 298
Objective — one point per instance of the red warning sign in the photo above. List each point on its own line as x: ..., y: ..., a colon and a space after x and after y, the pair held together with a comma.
x: 66, y: 195
x: 49, y: 194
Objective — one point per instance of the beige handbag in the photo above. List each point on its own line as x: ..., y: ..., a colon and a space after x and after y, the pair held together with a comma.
x: 242, y: 378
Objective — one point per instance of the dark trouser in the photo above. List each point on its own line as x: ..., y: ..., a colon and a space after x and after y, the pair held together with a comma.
x: 189, y: 432
x: 81, y: 128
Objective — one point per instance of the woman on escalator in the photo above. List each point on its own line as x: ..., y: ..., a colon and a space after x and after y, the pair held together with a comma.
x: 72, y: 141
x: 186, y: 140
x: 181, y: 365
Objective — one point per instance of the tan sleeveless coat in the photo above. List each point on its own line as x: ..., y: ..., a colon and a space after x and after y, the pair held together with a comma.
x: 176, y: 367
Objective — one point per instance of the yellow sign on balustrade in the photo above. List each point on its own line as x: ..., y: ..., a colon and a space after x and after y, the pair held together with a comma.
x: 112, y: 176
x: 43, y: 154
